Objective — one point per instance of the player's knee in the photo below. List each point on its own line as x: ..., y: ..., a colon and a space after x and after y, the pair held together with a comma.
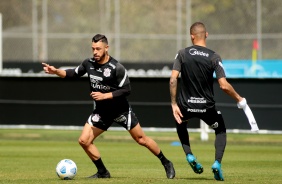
x: 220, y: 131
x: 83, y: 142
x: 141, y: 141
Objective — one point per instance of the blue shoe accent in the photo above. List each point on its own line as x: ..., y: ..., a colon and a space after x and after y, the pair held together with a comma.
x: 197, y: 167
x: 216, y: 169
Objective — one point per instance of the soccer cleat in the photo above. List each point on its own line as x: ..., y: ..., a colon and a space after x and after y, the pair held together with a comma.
x: 98, y: 175
x: 216, y: 169
x: 169, y: 169
x: 197, y: 167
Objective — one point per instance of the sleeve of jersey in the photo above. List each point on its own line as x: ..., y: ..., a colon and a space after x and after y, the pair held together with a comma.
x: 123, y: 82
x: 76, y: 72
x: 177, y: 62
x: 218, y: 66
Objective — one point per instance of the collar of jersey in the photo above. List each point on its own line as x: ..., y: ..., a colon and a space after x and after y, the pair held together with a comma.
x: 93, y: 60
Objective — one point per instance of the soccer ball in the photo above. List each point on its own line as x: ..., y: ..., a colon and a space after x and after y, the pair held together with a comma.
x: 66, y: 169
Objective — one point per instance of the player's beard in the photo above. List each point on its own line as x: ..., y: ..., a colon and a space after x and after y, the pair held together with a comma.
x: 100, y: 58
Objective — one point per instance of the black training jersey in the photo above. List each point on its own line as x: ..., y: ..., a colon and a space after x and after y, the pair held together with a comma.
x: 197, y: 65
x: 108, y: 77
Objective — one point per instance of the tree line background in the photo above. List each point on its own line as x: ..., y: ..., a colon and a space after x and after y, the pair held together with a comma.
x: 139, y: 31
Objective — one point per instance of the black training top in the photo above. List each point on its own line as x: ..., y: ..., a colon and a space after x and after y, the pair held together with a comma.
x: 197, y: 65
x: 108, y: 77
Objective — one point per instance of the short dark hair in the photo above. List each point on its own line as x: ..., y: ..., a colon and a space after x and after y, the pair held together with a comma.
x: 198, y: 27
x: 100, y: 37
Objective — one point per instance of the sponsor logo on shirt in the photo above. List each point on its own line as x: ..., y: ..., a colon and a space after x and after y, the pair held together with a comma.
x: 96, y: 85
x: 197, y: 100
x: 94, y: 78
x: 197, y: 110
x: 194, y: 52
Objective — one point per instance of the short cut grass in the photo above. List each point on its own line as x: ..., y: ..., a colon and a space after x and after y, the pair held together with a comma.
x: 30, y: 156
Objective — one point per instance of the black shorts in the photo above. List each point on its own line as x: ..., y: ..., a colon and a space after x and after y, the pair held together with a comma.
x: 127, y: 119
x: 211, y: 117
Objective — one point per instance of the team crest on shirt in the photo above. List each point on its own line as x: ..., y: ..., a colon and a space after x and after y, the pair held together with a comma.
x: 107, y: 72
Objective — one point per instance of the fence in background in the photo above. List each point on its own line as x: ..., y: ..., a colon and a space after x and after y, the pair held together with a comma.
x: 138, y: 31
x: 33, y: 101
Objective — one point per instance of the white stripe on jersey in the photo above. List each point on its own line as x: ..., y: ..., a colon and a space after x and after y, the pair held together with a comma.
x: 89, y: 121
x: 123, y: 80
x: 113, y: 66
x: 76, y: 70
x: 129, y: 120
x: 220, y: 64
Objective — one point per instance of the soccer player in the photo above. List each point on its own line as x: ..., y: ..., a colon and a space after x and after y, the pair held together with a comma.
x: 110, y: 86
x: 197, y: 64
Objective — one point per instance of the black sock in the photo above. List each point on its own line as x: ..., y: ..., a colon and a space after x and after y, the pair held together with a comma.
x: 162, y: 158
x: 100, y: 165
x: 220, y: 143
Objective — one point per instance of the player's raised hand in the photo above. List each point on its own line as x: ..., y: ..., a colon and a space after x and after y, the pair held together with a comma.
x: 49, y: 69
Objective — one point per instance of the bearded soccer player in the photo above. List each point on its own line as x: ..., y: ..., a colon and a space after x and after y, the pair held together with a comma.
x: 197, y: 64
x: 109, y: 86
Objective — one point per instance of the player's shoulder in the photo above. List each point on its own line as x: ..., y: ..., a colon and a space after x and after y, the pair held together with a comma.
x: 114, y: 64
x: 182, y: 51
x: 212, y: 53
x: 216, y: 56
x: 88, y: 60
x: 206, y: 49
x: 195, y: 49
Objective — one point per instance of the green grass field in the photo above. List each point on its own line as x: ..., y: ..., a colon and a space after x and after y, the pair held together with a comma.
x: 30, y: 156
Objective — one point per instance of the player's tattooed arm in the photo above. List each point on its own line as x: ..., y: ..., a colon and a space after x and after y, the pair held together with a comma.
x: 173, y: 90
x: 173, y: 86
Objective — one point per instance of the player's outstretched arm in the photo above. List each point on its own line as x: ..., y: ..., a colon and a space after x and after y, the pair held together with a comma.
x: 228, y: 89
x: 241, y: 102
x: 52, y: 70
